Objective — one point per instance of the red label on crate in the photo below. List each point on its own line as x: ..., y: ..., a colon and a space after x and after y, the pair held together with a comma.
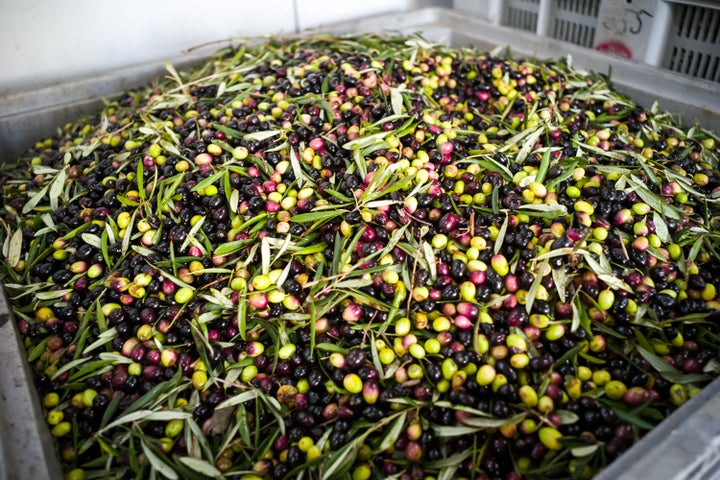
x: 615, y: 48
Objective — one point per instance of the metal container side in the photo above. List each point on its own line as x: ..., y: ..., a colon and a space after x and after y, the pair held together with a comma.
x: 26, y: 117
x: 26, y: 446
x: 685, y: 446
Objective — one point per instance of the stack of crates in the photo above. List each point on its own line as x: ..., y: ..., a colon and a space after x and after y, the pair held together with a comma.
x: 678, y: 35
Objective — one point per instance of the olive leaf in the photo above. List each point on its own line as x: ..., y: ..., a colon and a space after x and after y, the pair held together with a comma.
x: 667, y: 371
x: 603, y: 271
x: 529, y: 143
x: 158, y: 464
x: 455, y: 431
x: 201, y: 466
x: 532, y: 293
x: 340, y: 462
x: 567, y: 417
x: 238, y: 399
x: 69, y: 366
x: 430, y: 259
x: 501, y: 233
x: 560, y: 279
x: 584, y: 451
x: 56, y: 188
x: 487, y: 422
x: 53, y: 294
x: 262, y: 135
x: 149, y: 415
x: 449, y: 466
x: 191, y: 234
x: 396, y: 99
x: 661, y: 228
x: 35, y: 199
x: 92, y: 240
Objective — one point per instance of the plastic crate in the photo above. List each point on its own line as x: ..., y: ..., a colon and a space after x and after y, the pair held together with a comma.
x: 571, y: 21
x: 679, y: 35
x: 693, y: 41
x: 574, y: 21
x: 522, y: 14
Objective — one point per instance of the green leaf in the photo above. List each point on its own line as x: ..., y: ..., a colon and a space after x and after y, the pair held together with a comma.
x: 448, y: 466
x: 554, y: 209
x: 110, y: 410
x: 56, y: 188
x: 92, y: 240
x: 626, y: 416
x: 567, y: 172
x: 392, y: 435
x: 485, y: 422
x: 528, y: 144
x: 319, y: 216
x: 262, y: 135
x: 652, y: 199
x: 454, y: 431
x: 297, y: 169
x: 15, y: 248
x: 430, y: 259
x: 331, y: 347
x: 354, y: 283
x: 544, y: 165
x: 232, y: 247
x: 569, y: 354
x: 695, y: 249
x: 265, y: 255
x: 584, y: 451
x: 37, y: 350
x: 230, y: 132
x: 53, y: 295
x: 603, y: 271
x: 501, y: 234
x: 493, y: 166
x: 35, y: 200
x: 201, y: 466
x: 560, y: 278
x: 158, y: 464
x: 661, y: 228
x: 366, y: 141
x: 567, y: 417
x: 206, y: 182
x: 396, y: 101
x: 173, y: 73
x: 69, y: 366
x: 239, y: 398
x: 149, y: 415
x: 191, y: 234
x: 532, y: 293
x: 686, y: 378
x: 495, y: 200
x: 340, y: 462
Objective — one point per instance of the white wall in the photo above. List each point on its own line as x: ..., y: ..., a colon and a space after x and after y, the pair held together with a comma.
x: 47, y: 41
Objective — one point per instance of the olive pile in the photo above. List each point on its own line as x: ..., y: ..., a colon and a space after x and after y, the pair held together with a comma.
x: 364, y: 258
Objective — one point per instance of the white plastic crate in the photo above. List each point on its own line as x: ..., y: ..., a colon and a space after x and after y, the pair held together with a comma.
x: 693, y: 41
x: 522, y: 14
x: 571, y: 21
x: 574, y: 21
x: 679, y: 35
